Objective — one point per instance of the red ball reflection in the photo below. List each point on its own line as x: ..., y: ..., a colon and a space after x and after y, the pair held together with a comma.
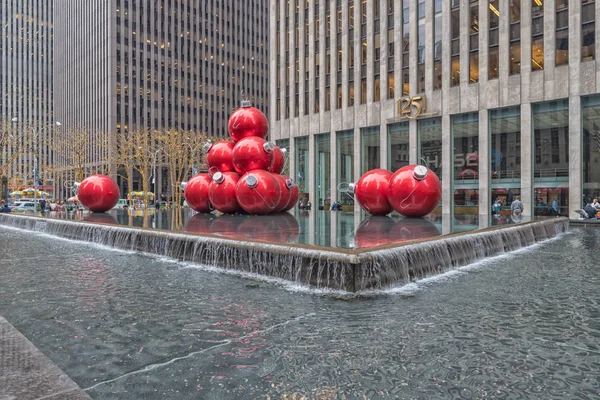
x: 275, y: 228
x: 278, y: 161
x: 196, y: 193
x: 258, y: 192
x: 220, y: 156
x: 200, y: 224
x: 98, y: 193
x: 221, y: 192
x: 227, y: 226
x: 286, y: 192
x: 252, y: 153
x: 414, y: 191
x: 374, y: 231
x: 101, y: 218
x: 246, y: 122
x: 413, y: 229
x: 371, y: 192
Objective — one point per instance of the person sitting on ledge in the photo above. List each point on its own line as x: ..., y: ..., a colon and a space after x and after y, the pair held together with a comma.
x: 5, y: 207
x: 588, y: 212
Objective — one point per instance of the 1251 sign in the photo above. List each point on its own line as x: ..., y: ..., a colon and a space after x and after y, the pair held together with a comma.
x: 412, y: 107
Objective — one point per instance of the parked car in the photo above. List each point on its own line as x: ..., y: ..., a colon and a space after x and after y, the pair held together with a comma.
x: 25, y: 206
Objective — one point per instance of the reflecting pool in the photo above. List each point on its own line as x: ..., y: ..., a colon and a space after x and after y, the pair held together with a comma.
x: 345, y: 230
x: 127, y: 326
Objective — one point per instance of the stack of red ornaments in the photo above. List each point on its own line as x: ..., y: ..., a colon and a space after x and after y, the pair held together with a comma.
x: 245, y: 173
x: 413, y: 191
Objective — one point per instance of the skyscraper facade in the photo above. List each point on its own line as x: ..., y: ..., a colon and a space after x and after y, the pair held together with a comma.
x: 26, y: 99
x: 500, y: 98
x: 182, y: 64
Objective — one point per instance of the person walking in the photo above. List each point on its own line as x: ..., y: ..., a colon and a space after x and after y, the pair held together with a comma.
x: 555, y: 210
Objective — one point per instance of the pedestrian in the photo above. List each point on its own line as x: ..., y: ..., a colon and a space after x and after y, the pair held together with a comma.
x: 516, y: 206
x: 596, y: 205
x: 5, y: 207
x: 301, y: 205
x: 555, y: 210
x: 308, y: 205
x: 497, y: 207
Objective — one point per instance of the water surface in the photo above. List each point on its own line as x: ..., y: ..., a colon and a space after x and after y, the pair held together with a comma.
x: 126, y: 326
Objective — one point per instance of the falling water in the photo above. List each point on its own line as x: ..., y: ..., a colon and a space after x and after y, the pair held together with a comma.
x: 343, y: 270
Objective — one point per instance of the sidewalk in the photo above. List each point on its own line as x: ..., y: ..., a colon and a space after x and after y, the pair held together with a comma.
x: 26, y: 373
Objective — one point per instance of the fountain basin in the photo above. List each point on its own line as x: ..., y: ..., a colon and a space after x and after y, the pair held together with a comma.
x: 349, y: 270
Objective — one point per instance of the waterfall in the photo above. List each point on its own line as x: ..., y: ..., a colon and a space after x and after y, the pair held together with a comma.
x: 350, y: 270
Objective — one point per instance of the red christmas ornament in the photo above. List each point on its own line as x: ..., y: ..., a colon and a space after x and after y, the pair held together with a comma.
x: 371, y: 192
x: 278, y: 161
x: 286, y: 185
x: 219, y: 155
x: 196, y: 193
x: 414, y: 191
x: 374, y: 231
x: 294, y: 194
x: 252, y: 153
x: 247, y: 121
x: 98, y: 193
x: 221, y: 192
x: 258, y: 192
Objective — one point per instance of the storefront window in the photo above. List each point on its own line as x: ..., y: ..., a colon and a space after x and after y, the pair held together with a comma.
x: 505, y: 159
x: 370, y: 149
x: 430, y: 144
x: 345, y: 163
x: 323, y: 170
x: 591, y: 149
x: 465, y: 134
x: 551, y: 158
x: 302, y: 167
x: 398, y: 156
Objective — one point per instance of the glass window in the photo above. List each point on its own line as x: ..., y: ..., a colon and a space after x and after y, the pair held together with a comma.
x: 405, y: 47
x: 562, y: 32
x: 591, y: 149
x: 474, y: 43
x: 494, y: 30
x: 302, y: 166
x: 345, y: 162
x: 505, y: 160
x: 465, y: 137
x: 551, y: 158
x: 398, y: 142
x: 455, y: 44
x: 323, y: 170
x: 370, y: 149
x: 537, y: 35
x: 430, y: 144
x: 515, y: 37
x: 588, y: 30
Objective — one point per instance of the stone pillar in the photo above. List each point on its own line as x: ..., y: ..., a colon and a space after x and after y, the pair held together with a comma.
x: 383, y: 143
x: 334, y: 167
x: 447, y: 194
x: 413, y: 138
x: 357, y: 155
x: 526, y: 159
x: 575, y: 147
x: 310, y: 171
x: 484, y: 164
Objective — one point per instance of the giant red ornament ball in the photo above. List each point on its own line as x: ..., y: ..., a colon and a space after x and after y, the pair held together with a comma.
x: 285, y: 186
x: 246, y: 122
x: 371, y: 192
x: 294, y: 194
x: 278, y: 161
x: 414, y: 191
x: 252, y: 153
x: 196, y: 193
x: 98, y: 193
x: 258, y: 192
x: 221, y: 192
x: 219, y: 155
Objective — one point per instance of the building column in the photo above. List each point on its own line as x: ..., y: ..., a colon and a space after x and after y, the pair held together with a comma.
x: 575, y: 147
x: 447, y: 194
x: 357, y: 155
x: 292, y: 159
x: 484, y: 164
x: 310, y: 171
x: 384, y: 149
x: 413, y: 147
x: 333, y: 179
x: 526, y: 160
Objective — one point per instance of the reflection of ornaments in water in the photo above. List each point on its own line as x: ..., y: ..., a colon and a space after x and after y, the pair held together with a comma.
x: 258, y: 192
x: 275, y: 228
x: 414, y: 191
x: 278, y: 161
x: 219, y: 155
x: 371, y: 192
x: 98, y: 193
x: 247, y: 122
x: 374, y: 231
x: 200, y: 224
x: 252, y: 153
x: 413, y: 229
x: 227, y: 226
x: 222, y: 192
x: 196, y: 193
x: 101, y: 218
